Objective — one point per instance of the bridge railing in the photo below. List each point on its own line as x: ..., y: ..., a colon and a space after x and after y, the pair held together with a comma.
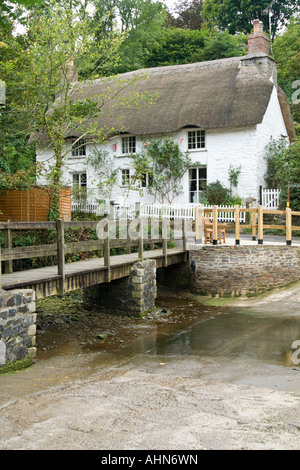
x: 256, y: 223
x: 112, y: 237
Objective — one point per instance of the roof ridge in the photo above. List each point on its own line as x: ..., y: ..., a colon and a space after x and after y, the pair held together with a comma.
x: 166, y: 69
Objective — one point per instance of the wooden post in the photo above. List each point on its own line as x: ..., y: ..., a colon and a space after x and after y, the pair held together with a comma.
x: 141, y: 241
x: 288, y: 223
x: 184, y: 235
x: 60, y: 240
x: 260, y: 225
x: 165, y: 241
x: 184, y: 238
x: 215, y: 225
x: 198, y: 224
x: 253, y: 223
x: 237, y: 225
x: 106, y: 249
x: 8, y: 265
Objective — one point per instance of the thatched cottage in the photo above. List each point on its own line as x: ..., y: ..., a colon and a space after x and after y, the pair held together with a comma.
x: 224, y: 112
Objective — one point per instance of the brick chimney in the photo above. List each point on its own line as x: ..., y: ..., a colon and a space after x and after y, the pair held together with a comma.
x: 258, y: 41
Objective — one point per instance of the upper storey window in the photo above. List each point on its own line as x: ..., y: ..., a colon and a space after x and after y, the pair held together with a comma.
x: 79, y: 148
x: 128, y: 145
x: 196, y: 139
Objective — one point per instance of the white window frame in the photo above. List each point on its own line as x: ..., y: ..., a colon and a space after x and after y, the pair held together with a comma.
x: 78, y: 148
x: 125, y: 177
x: 78, y: 183
x: 196, y: 139
x: 145, y: 180
x: 198, y: 190
x: 128, y: 144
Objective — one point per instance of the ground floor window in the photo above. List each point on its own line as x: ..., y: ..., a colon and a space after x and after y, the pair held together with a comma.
x: 197, y: 183
x: 125, y: 173
x: 79, y: 184
x: 146, y: 179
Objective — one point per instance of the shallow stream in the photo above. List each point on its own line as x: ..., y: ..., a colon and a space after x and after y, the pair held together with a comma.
x: 187, y: 329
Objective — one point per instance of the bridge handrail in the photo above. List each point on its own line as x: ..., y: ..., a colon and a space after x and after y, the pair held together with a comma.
x: 60, y: 248
x: 256, y: 224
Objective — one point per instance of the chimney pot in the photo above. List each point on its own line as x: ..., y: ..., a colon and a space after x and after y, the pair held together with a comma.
x: 258, y: 41
x: 256, y: 24
x: 261, y: 27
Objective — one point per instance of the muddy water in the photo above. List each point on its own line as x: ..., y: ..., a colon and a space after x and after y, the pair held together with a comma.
x: 235, y: 335
x: 181, y: 328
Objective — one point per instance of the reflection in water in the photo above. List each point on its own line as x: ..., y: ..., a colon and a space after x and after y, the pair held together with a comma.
x: 234, y: 335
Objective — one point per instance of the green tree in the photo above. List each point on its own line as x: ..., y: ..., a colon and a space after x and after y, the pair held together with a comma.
x: 284, y: 170
x: 286, y: 49
x: 188, y: 14
x: 177, y: 46
x: 184, y: 46
x: 60, y: 43
x: 17, y: 157
x: 220, y: 45
x: 165, y: 164
x: 12, y: 10
x: 140, y: 21
x: 236, y: 16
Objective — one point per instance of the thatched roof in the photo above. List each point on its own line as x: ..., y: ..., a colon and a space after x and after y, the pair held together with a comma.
x: 211, y: 95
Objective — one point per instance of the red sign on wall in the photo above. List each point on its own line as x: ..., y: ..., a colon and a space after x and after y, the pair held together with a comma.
x: 114, y: 147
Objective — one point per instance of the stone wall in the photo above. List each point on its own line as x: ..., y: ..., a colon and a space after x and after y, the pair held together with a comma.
x: 237, y: 270
x: 133, y: 295
x: 17, y: 325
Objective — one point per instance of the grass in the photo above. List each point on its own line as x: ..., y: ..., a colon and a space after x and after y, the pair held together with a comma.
x: 10, y: 368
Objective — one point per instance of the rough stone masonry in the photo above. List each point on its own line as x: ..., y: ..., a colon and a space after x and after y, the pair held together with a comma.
x: 133, y: 295
x: 17, y: 325
x: 237, y: 270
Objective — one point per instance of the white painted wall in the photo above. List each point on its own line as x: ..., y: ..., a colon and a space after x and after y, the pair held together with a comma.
x: 238, y: 147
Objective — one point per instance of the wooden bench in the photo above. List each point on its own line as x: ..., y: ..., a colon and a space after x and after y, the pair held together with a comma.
x: 208, y: 232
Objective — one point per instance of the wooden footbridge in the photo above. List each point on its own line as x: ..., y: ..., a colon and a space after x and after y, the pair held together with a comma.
x: 101, y: 267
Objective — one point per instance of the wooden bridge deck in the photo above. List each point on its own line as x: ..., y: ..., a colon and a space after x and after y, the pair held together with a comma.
x: 45, y: 281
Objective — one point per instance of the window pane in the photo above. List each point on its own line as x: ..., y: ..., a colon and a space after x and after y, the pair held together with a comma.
x: 197, y: 183
x: 83, y: 179
x: 196, y: 139
x: 193, y: 173
x: 76, y: 178
x: 79, y: 148
x: 125, y: 177
x: 193, y: 185
x: 128, y: 144
x: 202, y: 172
x: 132, y: 144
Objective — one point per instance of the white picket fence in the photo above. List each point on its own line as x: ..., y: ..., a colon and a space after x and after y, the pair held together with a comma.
x: 270, y: 198
x: 124, y: 213
x: 168, y: 211
x: 187, y: 212
x: 89, y: 206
